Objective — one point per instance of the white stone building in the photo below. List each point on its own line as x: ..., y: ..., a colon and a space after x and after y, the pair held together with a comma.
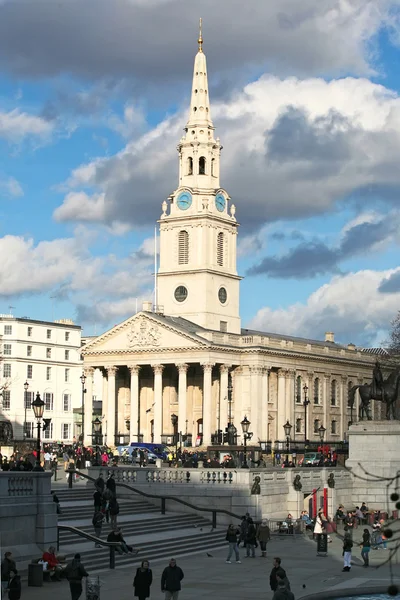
x: 46, y: 355
x: 179, y: 356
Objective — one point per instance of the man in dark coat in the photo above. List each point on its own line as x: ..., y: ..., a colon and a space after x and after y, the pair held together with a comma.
x: 277, y: 571
x: 143, y: 580
x: 171, y: 580
x: 110, y: 485
x: 75, y: 572
x: 7, y: 567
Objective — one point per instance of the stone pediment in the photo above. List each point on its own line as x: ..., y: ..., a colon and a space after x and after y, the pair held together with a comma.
x: 142, y: 333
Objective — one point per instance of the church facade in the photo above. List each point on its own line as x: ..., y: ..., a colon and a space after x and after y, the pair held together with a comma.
x: 187, y: 355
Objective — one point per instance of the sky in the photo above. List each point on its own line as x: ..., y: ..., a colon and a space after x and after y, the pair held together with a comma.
x: 305, y: 97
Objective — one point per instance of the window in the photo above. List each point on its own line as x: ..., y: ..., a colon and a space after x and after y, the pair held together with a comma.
x: 183, y: 250
x: 6, y: 370
x: 48, y: 352
x: 48, y: 373
x: 29, y: 398
x: 48, y: 400
x: 223, y: 326
x: 333, y: 427
x: 220, y: 249
x: 29, y: 429
x: 7, y: 349
x: 48, y: 433
x: 298, y: 425
x: 298, y: 389
x: 316, y: 390
x: 180, y: 294
x: 67, y: 336
x: 30, y: 331
x: 7, y: 329
x: 66, y: 375
x: 48, y: 334
x: 66, y: 402
x: 213, y: 167
x: 29, y: 371
x: 202, y: 165
x: 334, y: 392
x: 316, y: 425
x: 190, y: 166
x: 349, y: 386
x: 65, y: 429
x: 29, y: 350
x: 6, y: 399
x: 67, y: 355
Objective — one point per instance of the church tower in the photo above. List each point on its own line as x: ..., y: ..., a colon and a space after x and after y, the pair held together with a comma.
x: 197, y: 278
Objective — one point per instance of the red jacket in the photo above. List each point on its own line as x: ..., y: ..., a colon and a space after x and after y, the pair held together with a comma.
x: 51, y: 560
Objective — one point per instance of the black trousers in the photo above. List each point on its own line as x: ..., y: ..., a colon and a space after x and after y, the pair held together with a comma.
x: 76, y: 589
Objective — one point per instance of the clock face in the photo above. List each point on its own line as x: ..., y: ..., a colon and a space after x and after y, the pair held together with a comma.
x: 184, y: 200
x: 220, y: 202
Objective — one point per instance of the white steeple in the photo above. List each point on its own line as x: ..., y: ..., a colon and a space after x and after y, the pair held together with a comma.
x: 200, y: 102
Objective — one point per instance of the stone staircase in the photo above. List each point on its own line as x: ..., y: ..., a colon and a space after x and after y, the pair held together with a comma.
x: 156, y: 536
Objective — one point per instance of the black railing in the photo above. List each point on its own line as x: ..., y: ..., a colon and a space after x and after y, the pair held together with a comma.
x: 89, y: 536
x: 163, y: 499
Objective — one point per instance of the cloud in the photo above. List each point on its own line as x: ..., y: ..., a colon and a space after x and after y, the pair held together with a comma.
x: 16, y: 125
x: 351, y: 306
x: 10, y: 188
x: 391, y: 285
x: 79, y: 206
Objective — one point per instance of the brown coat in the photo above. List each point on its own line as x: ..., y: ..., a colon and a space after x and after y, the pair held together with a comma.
x: 263, y: 533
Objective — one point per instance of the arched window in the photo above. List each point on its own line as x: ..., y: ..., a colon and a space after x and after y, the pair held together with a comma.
x: 220, y: 249
x: 213, y: 167
x: 333, y: 427
x: 316, y: 425
x: 298, y: 389
x: 349, y: 386
x: 334, y: 392
x: 316, y: 390
x: 298, y: 425
x: 183, y: 247
x: 190, y: 166
x: 202, y: 165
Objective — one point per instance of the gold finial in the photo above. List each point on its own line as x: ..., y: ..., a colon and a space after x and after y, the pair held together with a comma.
x: 200, y: 40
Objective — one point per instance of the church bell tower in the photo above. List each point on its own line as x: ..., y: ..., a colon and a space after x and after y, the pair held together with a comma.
x: 197, y: 278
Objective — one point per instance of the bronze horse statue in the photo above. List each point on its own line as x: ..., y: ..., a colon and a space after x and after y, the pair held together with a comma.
x: 388, y: 394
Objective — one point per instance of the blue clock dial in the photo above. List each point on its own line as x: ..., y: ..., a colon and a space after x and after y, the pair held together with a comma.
x: 184, y: 200
x: 220, y: 202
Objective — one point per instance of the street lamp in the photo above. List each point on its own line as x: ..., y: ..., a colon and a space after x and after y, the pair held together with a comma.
x: 96, y: 428
x: 306, y: 402
x: 38, y: 409
x: 321, y: 431
x: 246, y: 436
x: 174, y: 421
x: 26, y: 385
x: 288, y: 428
x: 83, y: 379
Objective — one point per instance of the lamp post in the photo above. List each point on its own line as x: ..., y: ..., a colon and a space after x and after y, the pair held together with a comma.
x: 26, y: 385
x: 306, y: 402
x: 246, y: 436
x: 83, y: 379
x: 288, y: 428
x: 321, y: 431
x: 38, y: 409
x: 96, y: 428
x: 174, y: 421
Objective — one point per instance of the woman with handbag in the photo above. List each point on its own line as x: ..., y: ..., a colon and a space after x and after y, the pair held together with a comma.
x: 320, y: 524
x: 143, y: 580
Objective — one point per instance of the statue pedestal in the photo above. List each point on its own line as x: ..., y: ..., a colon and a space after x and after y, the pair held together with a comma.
x: 374, y: 452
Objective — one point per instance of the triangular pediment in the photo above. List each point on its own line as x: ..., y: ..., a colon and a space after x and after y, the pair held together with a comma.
x: 143, y: 333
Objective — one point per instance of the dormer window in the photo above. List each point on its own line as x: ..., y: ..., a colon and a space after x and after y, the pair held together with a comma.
x: 190, y: 166
x: 202, y: 165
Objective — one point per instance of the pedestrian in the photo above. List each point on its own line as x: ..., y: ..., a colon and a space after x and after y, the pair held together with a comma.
x: 347, y: 546
x: 142, y: 459
x: 66, y: 460
x: 143, y: 580
x: 243, y: 530
x: 75, y: 572
x: 282, y: 592
x: 14, y: 588
x: 111, y: 485
x: 97, y: 500
x: 97, y: 522
x: 251, y: 539
x: 232, y: 538
x: 57, y: 502
x: 277, y: 570
x: 114, y: 512
x: 263, y: 536
x: 99, y: 484
x: 8, y: 566
x: 320, y: 524
x: 366, y: 547
x: 171, y: 580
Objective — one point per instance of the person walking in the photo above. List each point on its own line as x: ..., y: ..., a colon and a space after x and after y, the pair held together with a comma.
x: 171, y: 580
x: 366, y: 547
x: 114, y: 511
x: 282, y: 592
x: 232, y: 538
x: 251, y: 539
x: 75, y: 572
x: 143, y: 580
x: 347, y: 546
x: 97, y: 522
x: 276, y: 571
x: 111, y: 485
x: 8, y: 566
x: 263, y: 536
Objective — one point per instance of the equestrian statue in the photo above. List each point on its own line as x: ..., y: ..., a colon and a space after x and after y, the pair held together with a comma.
x: 382, y: 390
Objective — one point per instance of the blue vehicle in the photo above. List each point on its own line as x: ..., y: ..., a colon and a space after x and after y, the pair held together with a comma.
x: 160, y: 450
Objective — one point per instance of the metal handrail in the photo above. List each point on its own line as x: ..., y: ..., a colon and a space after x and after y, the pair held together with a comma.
x: 214, y: 511
x: 89, y: 536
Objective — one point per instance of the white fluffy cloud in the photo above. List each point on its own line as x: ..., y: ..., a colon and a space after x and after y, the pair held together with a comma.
x: 10, y: 188
x: 16, y: 125
x: 351, y: 306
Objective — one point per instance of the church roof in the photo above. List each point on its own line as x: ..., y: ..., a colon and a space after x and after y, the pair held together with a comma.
x: 291, y: 338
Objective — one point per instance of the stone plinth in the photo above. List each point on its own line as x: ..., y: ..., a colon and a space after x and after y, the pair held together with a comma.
x: 374, y: 453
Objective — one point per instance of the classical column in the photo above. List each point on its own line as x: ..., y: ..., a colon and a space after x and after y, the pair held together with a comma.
x: 223, y: 396
x: 158, y: 402
x: 87, y: 434
x: 343, y: 406
x: 290, y: 399
x: 207, y: 386
x: 310, y: 396
x: 110, y: 425
x: 182, y: 399
x: 281, y: 408
x: 256, y: 399
x: 134, y: 408
x: 263, y: 427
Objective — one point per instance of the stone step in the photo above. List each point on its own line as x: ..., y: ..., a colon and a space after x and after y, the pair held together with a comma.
x: 86, y: 512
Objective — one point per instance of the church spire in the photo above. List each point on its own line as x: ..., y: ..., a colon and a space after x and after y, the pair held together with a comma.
x: 200, y: 40
x: 200, y: 102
